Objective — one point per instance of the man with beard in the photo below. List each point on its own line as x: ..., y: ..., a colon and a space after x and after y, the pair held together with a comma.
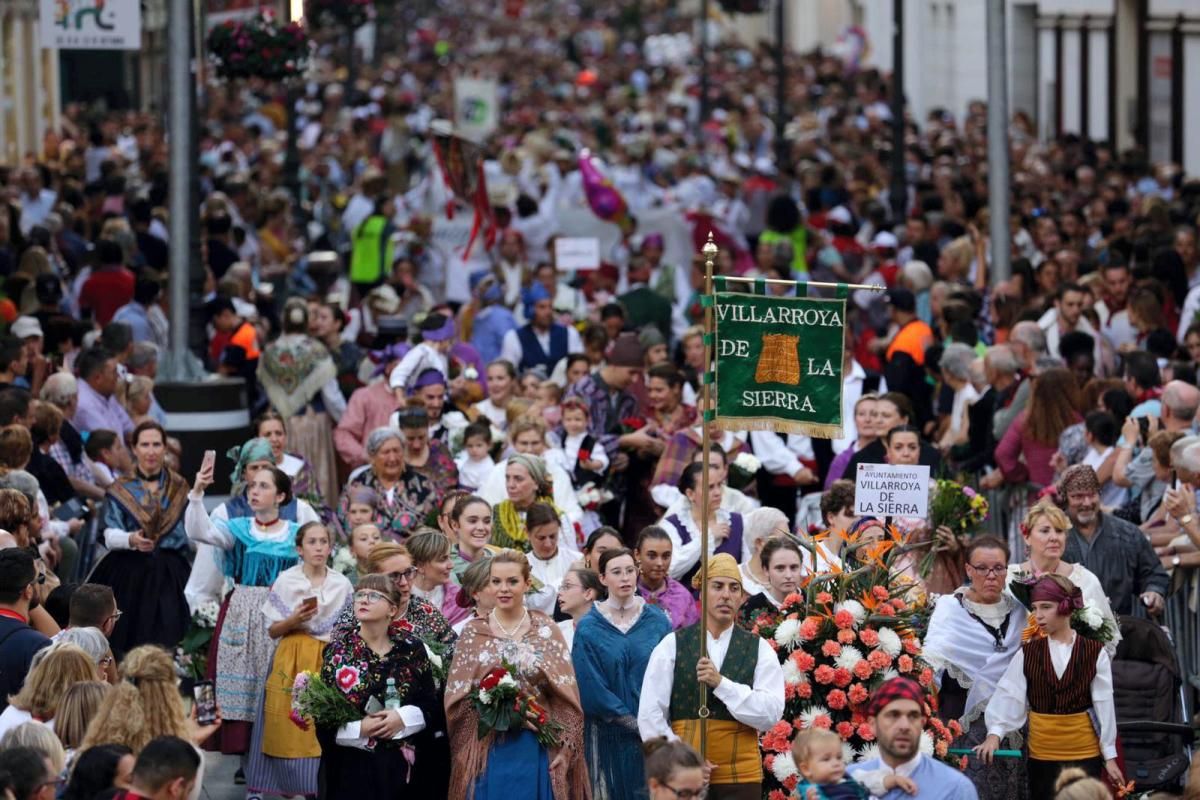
x: 744, y: 694
x: 898, y: 713
x: 1116, y: 551
x: 18, y: 642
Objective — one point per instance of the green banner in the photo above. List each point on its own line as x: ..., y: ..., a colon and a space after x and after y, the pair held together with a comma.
x: 779, y: 363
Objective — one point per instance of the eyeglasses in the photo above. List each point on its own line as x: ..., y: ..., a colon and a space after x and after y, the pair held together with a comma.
x: 687, y: 794
x: 990, y: 572
x: 367, y: 596
x: 406, y: 575
x: 116, y: 615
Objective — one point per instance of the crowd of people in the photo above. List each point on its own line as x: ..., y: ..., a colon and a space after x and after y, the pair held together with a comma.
x: 465, y: 458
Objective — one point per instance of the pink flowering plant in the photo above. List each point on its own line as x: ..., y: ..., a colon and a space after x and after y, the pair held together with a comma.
x: 314, y: 701
x: 840, y: 637
x: 260, y: 47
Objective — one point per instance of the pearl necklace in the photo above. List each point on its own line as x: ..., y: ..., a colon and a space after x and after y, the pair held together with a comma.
x: 507, y: 633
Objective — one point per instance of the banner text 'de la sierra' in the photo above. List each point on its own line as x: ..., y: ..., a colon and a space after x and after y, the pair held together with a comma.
x: 779, y: 363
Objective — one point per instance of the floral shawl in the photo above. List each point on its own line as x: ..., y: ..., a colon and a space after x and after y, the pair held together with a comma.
x: 412, y: 502
x: 439, y: 469
x: 292, y: 370
x: 508, y: 524
x: 157, y: 512
x: 544, y: 669
x: 361, y: 674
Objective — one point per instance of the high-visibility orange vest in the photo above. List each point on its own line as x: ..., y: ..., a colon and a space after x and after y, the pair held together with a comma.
x: 246, y: 338
x: 913, y: 339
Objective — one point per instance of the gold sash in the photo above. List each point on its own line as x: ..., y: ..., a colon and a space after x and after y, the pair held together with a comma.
x: 732, y: 747
x: 1062, y: 737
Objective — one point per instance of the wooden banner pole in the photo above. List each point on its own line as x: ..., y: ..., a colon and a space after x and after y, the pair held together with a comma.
x: 707, y: 394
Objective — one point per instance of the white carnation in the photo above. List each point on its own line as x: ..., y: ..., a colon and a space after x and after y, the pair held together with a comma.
x: 889, y: 642
x: 792, y: 673
x: 784, y: 767
x: 848, y: 658
x: 926, y: 743
x: 485, y: 697
x: 507, y: 680
x: 786, y: 632
x: 811, y: 713
x: 747, y: 462
x: 1091, y: 616
x: 855, y: 608
x: 433, y: 657
x: 868, y: 751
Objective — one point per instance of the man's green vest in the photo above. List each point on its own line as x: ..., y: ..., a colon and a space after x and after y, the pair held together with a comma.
x: 740, y: 662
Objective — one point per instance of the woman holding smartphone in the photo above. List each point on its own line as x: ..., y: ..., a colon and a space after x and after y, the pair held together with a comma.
x: 254, y: 551
x: 301, y: 610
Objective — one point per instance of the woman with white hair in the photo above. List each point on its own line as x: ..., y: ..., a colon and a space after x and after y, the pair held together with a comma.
x: 917, y: 277
x: 406, y: 498
x: 761, y: 524
x: 956, y: 373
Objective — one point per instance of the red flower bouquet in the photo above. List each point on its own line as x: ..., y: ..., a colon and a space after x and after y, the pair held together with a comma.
x: 316, y: 701
x: 631, y: 424
x: 839, y: 637
x: 502, y: 706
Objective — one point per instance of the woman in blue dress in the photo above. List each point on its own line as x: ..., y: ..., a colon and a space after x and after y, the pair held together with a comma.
x: 146, y: 565
x: 613, y: 643
x: 254, y: 550
x: 513, y: 764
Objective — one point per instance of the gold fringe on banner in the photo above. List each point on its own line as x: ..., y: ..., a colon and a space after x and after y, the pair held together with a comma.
x: 819, y: 430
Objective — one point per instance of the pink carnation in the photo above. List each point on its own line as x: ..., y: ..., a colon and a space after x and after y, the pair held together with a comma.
x: 926, y: 677
x: 843, y: 619
x: 831, y: 649
x: 912, y: 647
x: 846, y: 636
x: 822, y: 721
x: 836, y: 699
x: 804, y: 690
x: 868, y: 637
x: 866, y: 732
x: 844, y: 730
x: 879, y: 660
x: 824, y: 674
x: 862, y: 670
x: 858, y: 694
x: 842, y: 677
x: 904, y: 663
x: 825, y: 598
x: 880, y: 593
x: 804, y: 661
x: 885, y: 610
x: 808, y: 630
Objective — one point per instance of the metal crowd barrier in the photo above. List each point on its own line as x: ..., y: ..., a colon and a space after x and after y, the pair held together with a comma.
x: 1183, y: 622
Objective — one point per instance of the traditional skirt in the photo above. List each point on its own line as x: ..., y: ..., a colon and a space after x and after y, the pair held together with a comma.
x: 148, y: 588
x: 1059, y: 741
x: 614, y: 759
x: 1005, y: 778
x: 517, y: 766
x: 311, y: 435
x: 284, y: 759
x: 347, y: 773
x: 237, y: 663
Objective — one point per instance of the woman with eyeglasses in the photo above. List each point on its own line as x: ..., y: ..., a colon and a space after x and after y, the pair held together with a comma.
x: 406, y: 497
x: 425, y: 456
x: 301, y: 609
x: 973, y: 634
x: 514, y: 764
x: 408, y: 759
x: 412, y: 613
x: 674, y: 771
x: 254, y: 551
x: 612, y: 648
x: 147, y: 565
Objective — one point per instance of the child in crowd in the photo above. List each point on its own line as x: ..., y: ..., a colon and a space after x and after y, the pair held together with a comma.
x: 475, y: 461
x: 586, y: 460
x: 1100, y: 433
x: 362, y: 538
x: 364, y: 504
x: 109, y: 459
x: 437, y: 337
x: 822, y: 767
x: 1069, y: 697
x: 549, y: 397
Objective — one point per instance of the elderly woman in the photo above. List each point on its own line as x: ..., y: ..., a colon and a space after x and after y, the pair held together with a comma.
x: 917, y: 277
x: 1045, y: 533
x: 406, y: 497
x: 972, y: 637
x: 956, y: 373
x: 761, y: 524
x: 526, y: 482
x: 62, y: 391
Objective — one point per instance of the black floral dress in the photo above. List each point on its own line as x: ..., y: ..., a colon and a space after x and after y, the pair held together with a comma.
x: 415, y: 766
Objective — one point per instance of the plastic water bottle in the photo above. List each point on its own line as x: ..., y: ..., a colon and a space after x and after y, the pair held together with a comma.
x: 392, y: 698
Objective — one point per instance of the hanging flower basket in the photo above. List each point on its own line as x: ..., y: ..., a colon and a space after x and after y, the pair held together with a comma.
x: 345, y: 14
x: 258, y: 47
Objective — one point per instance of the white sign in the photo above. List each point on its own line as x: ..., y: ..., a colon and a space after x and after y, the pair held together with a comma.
x: 890, y: 490
x: 573, y: 254
x: 476, y: 107
x: 91, y: 24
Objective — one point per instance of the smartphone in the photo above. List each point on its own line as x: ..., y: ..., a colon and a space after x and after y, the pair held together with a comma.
x: 308, y: 603
x: 210, y: 461
x: 205, y: 695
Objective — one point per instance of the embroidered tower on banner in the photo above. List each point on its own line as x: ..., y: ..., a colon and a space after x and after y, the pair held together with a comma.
x: 779, y: 361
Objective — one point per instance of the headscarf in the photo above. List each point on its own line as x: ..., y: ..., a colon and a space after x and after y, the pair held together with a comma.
x: 721, y: 565
x: 533, y: 295
x: 1047, y: 589
x: 537, y: 471
x: 257, y: 449
x: 1078, y: 478
x: 899, y: 688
